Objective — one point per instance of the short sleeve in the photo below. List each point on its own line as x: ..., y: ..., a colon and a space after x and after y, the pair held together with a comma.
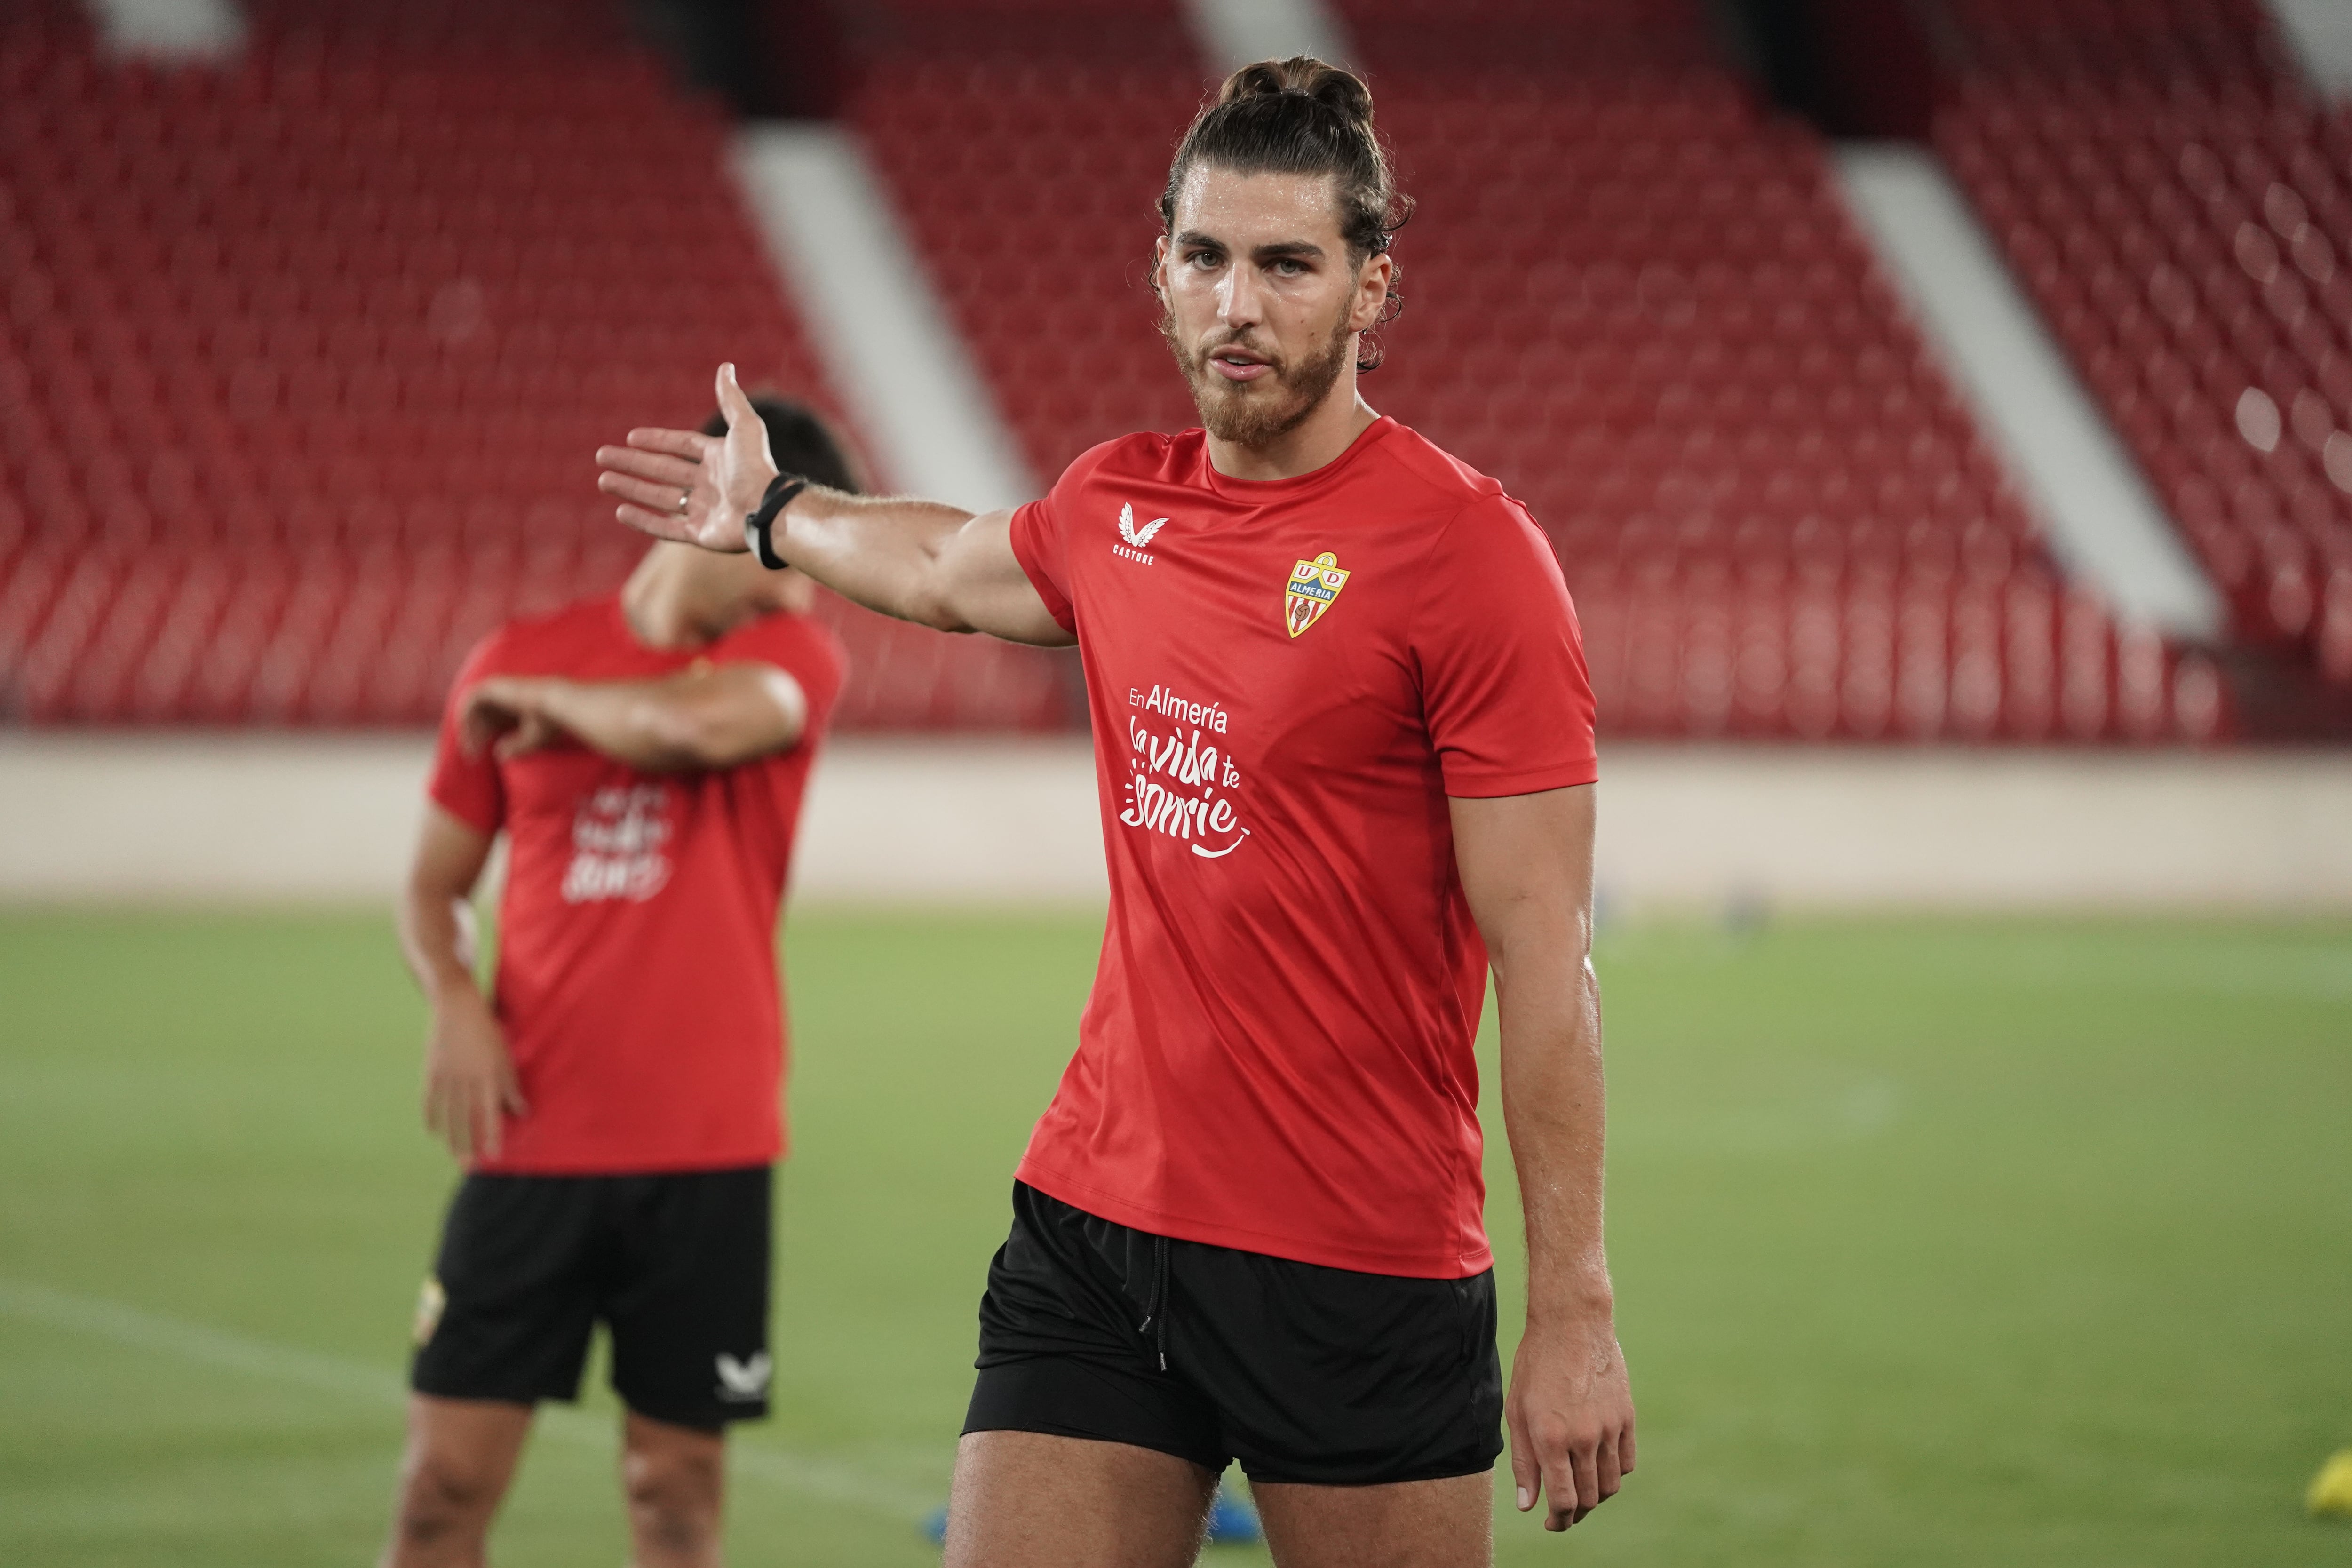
x: 1504, y: 687
x: 468, y: 788
x: 1037, y: 544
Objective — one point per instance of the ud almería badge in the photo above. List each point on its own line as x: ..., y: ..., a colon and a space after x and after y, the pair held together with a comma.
x: 1313, y: 585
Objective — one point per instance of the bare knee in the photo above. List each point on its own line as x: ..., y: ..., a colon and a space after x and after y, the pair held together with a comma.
x: 461, y: 1454
x: 445, y: 1501
x: 674, y: 1491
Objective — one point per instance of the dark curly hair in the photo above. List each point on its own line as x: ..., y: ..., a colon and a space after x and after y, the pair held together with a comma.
x: 1300, y: 116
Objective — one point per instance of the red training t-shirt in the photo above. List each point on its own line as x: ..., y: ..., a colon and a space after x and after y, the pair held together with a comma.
x: 1287, y: 680
x: 636, y: 977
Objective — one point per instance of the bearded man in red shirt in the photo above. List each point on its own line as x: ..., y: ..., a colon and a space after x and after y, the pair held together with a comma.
x: 1344, y: 743
x: 616, y: 1100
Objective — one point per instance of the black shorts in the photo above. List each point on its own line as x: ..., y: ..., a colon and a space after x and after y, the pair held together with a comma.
x: 1304, y: 1374
x: 675, y: 1265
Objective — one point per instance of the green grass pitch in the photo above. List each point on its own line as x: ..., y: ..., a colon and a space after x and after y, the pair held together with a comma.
x: 1958, y: 1242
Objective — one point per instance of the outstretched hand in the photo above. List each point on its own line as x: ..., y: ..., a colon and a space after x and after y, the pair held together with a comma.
x: 684, y: 485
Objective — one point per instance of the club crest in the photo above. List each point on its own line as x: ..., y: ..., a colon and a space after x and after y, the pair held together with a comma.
x: 431, y: 1302
x: 1313, y: 585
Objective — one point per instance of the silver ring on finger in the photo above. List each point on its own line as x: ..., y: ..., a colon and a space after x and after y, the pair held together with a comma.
x: 683, y: 497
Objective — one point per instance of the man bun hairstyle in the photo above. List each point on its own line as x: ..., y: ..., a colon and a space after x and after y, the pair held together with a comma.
x: 1301, y: 116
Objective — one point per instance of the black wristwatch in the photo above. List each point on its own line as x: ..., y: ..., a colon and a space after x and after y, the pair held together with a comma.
x: 757, y: 524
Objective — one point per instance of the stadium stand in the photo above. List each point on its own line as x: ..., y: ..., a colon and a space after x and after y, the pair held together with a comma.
x: 1632, y: 296
x: 1005, y: 127
x: 1637, y: 300
x: 359, y: 304
x: 304, y: 358
x: 2182, y: 216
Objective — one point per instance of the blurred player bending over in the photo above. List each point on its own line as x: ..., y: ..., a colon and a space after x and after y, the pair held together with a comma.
x: 1344, y: 733
x: 617, y: 1104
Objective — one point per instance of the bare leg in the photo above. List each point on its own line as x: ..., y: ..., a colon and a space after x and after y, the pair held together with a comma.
x: 1025, y: 1499
x: 461, y: 1455
x: 1412, y: 1525
x: 675, y: 1479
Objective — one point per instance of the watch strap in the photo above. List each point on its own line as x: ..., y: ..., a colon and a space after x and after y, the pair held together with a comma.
x: 759, y: 527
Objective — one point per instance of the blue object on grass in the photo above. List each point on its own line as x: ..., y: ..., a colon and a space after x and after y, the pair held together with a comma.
x: 1231, y: 1522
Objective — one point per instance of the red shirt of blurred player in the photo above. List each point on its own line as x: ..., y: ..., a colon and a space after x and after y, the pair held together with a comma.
x: 641, y: 1041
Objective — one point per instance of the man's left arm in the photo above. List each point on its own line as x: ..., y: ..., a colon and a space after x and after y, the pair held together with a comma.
x: 710, y: 716
x: 1526, y: 862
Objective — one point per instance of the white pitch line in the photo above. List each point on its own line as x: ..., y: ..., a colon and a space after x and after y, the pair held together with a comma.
x: 823, y: 1478
x: 193, y: 1341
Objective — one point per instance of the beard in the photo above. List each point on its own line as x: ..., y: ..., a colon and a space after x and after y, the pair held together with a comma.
x: 1256, y: 414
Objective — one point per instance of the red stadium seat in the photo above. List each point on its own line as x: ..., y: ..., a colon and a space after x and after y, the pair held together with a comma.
x: 2207, y: 267
x: 363, y: 362
x: 326, y: 320
x: 1632, y: 297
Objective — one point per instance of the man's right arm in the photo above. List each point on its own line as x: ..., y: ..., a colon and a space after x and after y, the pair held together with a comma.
x: 470, y: 1081
x: 919, y: 561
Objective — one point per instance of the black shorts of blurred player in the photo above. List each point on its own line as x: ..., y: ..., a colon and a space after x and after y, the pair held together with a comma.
x: 675, y: 1266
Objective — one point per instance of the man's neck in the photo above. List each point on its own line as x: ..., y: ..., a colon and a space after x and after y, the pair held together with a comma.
x: 1318, y: 440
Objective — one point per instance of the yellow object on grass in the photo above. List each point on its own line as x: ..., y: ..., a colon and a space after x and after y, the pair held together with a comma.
x: 2331, y: 1490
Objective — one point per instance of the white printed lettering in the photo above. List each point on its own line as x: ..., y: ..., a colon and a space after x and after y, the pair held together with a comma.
x: 1183, y: 757
x: 617, y: 835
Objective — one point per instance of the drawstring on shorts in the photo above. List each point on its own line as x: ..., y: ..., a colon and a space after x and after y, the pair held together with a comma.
x: 1155, y: 1309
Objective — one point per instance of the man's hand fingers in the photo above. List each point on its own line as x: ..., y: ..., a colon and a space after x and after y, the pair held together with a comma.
x: 654, y: 468
x: 661, y: 525
x: 1562, y: 1508
x: 484, y: 1101
x: 692, y: 445
x: 510, y: 1091
x: 1525, y: 1475
x: 747, y: 432
x: 647, y: 493
x: 480, y: 717
x: 532, y: 734
x: 1585, y: 1460
x: 471, y: 731
x: 732, y: 401
x: 1572, y: 1481
x: 1580, y: 1416
x: 452, y: 1119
